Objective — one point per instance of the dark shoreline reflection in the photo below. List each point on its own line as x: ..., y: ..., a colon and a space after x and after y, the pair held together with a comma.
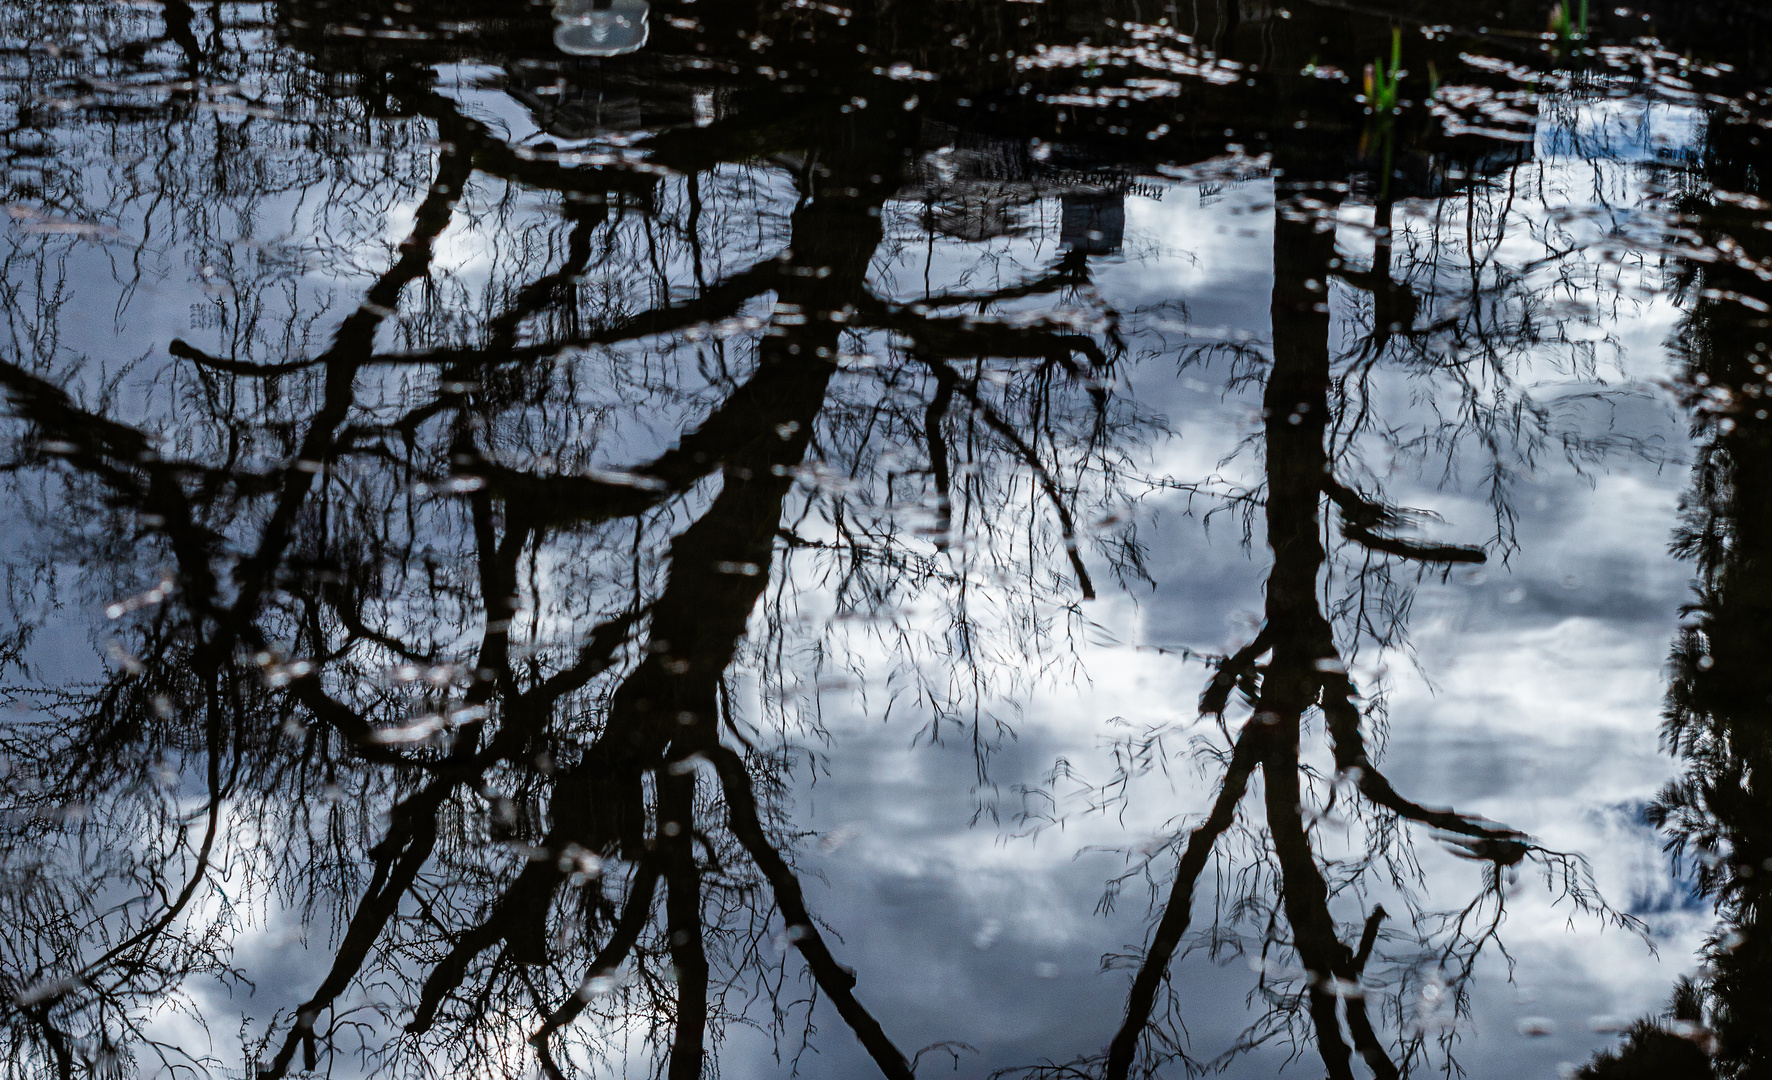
x: 1715, y: 815
x: 532, y: 404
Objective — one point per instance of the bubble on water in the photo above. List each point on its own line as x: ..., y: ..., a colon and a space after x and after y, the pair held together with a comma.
x: 47, y: 989
x: 838, y: 837
x: 903, y: 71
x: 1608, y: 1025
x: 576, y: 859
x: 36, y: 221
x: 420, y: 729
x: 284, y: 674
x: 1344, y: 988
x: 1536, y: 1026
x: 124, y: 659
x: 1273, y: 970
x: 988, y: 933
x: 151, y: 597
x: 597, y: 985
x: 1045, y: 969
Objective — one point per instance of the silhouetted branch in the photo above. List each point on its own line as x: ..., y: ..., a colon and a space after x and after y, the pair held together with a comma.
x: 1494, y: 843
x: 1359, y: 516
x: 1031, y: 458
x: 837, y: 982
x: 1178, y: 909
x: 1232, y: 670
x: 636, y: 912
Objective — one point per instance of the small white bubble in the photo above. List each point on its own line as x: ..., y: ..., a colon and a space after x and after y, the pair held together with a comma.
x: 988, y: 933
x: 419, y: 730
x: 125, y: 660
x: 46, y: 989
x: 596, y: 986
x: 838, y: 837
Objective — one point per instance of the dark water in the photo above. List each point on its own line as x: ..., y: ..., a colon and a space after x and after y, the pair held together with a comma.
x: 953, y: 537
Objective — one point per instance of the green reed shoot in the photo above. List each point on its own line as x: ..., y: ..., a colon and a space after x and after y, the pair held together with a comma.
x: 1567, y: 25
x: 1382, y: 83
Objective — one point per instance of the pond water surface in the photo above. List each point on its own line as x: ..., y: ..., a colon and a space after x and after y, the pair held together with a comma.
x: 1084, y: 538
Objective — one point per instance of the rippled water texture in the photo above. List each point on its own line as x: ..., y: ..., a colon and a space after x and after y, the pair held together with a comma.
x: 688, y: 538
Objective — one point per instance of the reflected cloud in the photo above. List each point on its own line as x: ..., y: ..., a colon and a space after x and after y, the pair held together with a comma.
x: 601, y: 539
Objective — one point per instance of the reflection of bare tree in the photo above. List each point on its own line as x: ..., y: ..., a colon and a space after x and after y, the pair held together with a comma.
x: 287, y: 507
x: 444, y: 666
x: 1293, y: 668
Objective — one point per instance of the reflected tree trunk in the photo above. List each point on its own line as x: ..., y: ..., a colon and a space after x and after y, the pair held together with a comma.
x: 1304, y: 670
